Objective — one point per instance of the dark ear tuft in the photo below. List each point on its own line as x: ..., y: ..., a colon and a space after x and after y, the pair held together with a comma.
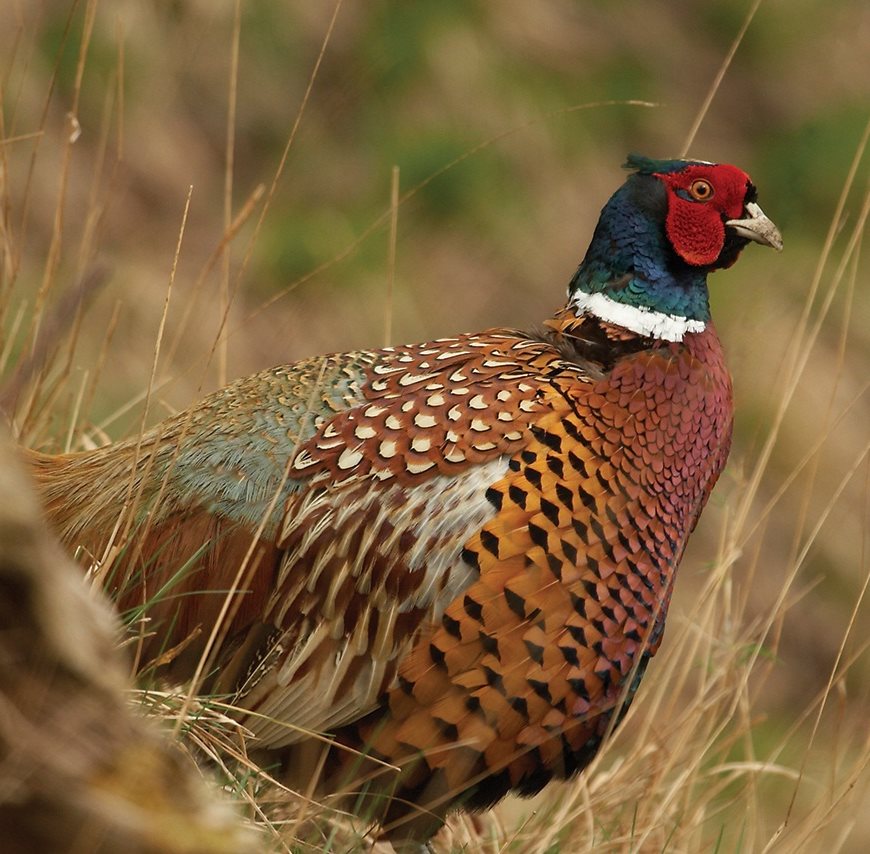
x: 642, y: 164
x: 649, y: 165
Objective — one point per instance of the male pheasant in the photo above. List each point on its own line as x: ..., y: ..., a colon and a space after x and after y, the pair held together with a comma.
x: 456, y: 556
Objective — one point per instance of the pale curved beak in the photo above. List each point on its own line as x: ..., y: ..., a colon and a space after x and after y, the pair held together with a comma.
x: 757, y: 227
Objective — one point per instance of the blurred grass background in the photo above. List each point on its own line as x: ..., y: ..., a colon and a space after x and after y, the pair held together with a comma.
x: 144, y: 87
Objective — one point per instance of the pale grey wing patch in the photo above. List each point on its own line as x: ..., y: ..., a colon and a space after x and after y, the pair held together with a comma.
x: 234, y: 448
x: 371, y: 569
x: 447, y: 506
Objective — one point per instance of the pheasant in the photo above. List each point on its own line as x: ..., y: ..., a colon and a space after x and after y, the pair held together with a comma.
x: 454, y: 557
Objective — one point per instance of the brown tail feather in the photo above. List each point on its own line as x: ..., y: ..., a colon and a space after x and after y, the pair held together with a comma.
x: 103, y: 505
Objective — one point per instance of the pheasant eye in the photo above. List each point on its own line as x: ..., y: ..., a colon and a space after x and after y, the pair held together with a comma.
x: 701, y: 190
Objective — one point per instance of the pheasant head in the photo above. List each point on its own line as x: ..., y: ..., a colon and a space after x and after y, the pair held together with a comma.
x: 669, y: 225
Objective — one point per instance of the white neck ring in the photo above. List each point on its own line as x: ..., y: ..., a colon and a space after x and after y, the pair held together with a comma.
x: 638, y: 319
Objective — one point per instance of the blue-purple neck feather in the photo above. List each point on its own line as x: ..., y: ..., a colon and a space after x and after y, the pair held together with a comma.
x: 630, y: 258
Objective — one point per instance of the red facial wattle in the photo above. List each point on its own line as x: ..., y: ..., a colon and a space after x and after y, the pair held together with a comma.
x: 696, y: 226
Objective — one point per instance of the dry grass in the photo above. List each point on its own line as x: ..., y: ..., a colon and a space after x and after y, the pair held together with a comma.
x: 751, y: 730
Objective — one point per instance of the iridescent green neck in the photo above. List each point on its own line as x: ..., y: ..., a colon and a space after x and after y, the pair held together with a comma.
x: 631, y: 273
